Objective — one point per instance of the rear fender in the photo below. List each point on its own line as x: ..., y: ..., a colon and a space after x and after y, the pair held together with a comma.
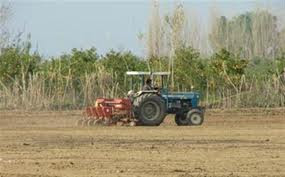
x: 202, y: 109
x: 145, y: 91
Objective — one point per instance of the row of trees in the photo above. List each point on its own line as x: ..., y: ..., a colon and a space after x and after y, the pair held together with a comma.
x: 245, y: 68
x: 78, y: 78
x: 250, y: 34
x: 253, y: 34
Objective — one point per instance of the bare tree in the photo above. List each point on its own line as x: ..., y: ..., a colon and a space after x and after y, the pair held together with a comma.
x: 154, y: 43
x: 5, y: 14
x: 282, y: 41
x: 265, y: 34
x: 250, y: 34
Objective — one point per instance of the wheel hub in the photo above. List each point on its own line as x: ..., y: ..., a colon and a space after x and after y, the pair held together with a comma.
x: 196, y: 119
x: 150, y: 110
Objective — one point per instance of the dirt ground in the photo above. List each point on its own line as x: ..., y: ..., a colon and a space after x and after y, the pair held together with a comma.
x: 230, y: 143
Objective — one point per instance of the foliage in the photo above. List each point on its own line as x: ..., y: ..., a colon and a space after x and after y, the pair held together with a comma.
x: 18, y: 62
x: 280, y: 63
x: 227, y: 69
x: 77, y: 79
x: 189, y: 69
x: 118, y: 63
x: 78, y: 63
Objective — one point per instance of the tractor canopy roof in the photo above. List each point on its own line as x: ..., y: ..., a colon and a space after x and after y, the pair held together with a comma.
x: 142, y: 73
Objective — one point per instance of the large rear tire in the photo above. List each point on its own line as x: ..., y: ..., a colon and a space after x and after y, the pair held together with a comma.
x: 150, y: 109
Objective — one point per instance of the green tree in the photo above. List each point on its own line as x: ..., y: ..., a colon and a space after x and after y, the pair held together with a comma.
x: 118, y: 63
x: 76, y: 64
x: 189, y: 69
x: 18, y: 62
x: 226, y: 70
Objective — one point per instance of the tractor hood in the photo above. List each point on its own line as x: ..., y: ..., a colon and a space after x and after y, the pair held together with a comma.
x: 193, y: 97
x: 184, y: 95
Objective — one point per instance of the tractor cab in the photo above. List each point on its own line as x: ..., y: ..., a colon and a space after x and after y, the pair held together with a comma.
x: 138, y: 80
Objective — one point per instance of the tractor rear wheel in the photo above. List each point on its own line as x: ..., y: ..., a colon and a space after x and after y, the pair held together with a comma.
x: 150, y: 109
x: 195, y: 117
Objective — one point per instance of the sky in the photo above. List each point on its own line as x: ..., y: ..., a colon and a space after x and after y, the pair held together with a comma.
x: 57, y: 26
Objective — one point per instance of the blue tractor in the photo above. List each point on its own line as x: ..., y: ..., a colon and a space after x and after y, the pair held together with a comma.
x: 150, y: 107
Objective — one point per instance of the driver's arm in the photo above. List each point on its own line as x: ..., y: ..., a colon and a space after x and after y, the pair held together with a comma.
x: 147, y: 87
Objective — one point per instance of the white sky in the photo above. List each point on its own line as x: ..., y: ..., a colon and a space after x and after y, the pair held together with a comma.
x: 57, y: 26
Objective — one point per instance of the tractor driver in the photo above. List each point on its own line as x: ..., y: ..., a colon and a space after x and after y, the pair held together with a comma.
x: 148, y: 85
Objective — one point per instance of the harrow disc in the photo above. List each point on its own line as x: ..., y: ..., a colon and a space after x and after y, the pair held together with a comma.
x: 97, y: 122
x: 90, y: 122
x: 120, y: 123
x: 132, y: 123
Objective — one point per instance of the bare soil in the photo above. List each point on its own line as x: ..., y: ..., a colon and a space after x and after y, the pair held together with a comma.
x: 246, y: 142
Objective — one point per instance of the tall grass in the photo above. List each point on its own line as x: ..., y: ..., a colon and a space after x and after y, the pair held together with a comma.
x: 49, y: 93
x: 53, y: 92
x: 252, y: 93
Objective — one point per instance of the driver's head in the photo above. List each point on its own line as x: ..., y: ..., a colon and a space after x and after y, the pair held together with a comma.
x: 148, y: 81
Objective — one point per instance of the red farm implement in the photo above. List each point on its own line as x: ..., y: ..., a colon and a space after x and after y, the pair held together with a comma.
x: 108, y: 112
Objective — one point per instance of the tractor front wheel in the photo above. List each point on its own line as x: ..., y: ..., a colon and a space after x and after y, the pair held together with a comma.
x: 181, y: 120
x: 195, y: 117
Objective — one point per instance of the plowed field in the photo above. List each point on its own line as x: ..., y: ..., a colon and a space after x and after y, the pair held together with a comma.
x: 229, y: 143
